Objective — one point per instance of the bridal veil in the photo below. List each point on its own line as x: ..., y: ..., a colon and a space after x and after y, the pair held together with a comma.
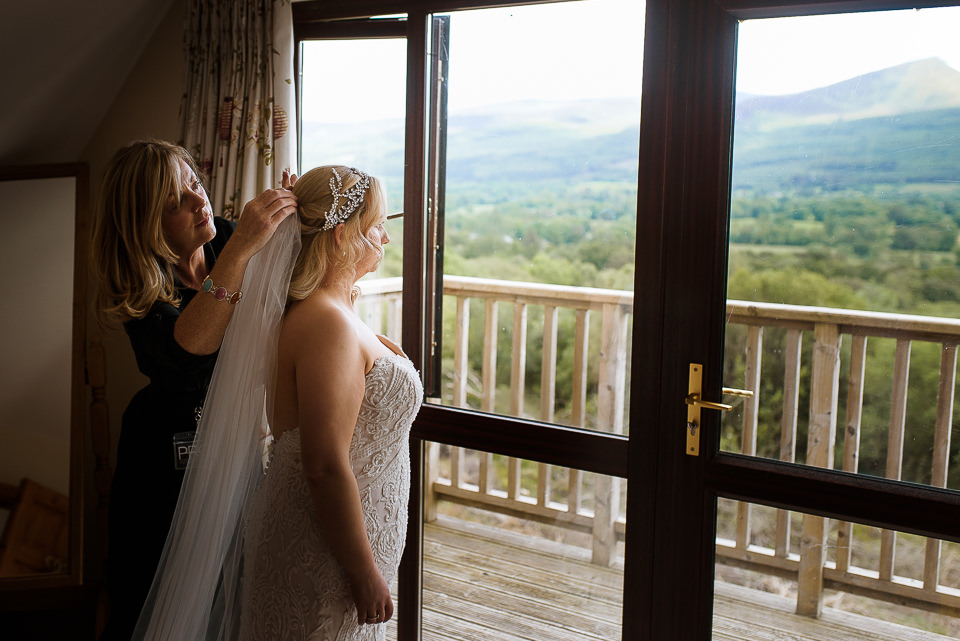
x: 196, y: 591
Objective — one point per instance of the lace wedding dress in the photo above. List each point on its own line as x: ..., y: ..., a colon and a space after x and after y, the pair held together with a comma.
x: 293, y: 588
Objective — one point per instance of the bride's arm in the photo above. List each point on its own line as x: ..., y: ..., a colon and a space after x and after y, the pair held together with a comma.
x: 330, y: 368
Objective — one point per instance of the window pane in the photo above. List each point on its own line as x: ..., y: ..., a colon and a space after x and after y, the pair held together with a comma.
x: 518, y: 550
x: 878, y: 584
x: 540, y: 211
x: 352, y: 113
x: 844, y: 278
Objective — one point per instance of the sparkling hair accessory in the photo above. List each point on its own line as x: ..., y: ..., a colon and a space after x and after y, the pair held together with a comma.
x: 353, y: 197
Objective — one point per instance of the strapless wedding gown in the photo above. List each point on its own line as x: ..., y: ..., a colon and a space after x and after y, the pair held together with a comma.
x: 293, y: 588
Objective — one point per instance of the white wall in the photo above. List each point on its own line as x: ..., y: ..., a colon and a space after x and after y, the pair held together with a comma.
x: 36, y: 256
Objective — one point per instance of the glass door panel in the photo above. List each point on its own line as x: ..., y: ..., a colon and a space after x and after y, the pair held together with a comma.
x: 776, y: 568
x: 515, y: 550
x: 352, y: 107
x: 843, y: 299
x: 539, y: 211
x: 353, y: 99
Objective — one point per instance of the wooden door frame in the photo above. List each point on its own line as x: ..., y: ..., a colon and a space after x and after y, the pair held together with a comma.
x: 686, y: 120
x: 689, y: 61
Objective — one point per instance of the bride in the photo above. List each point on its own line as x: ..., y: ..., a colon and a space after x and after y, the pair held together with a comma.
x: 308, y: 549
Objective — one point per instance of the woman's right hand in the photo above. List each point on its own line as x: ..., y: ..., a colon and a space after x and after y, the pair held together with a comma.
x: 371, y: 594
x: 260, y: 219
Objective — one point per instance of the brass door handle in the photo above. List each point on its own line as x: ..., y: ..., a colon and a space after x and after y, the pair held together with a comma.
x: 695, y: 400
x: 695, y: 403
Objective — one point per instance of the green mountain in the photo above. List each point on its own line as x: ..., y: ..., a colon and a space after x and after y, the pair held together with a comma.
x: 884, y: 130
x: 924, y: 85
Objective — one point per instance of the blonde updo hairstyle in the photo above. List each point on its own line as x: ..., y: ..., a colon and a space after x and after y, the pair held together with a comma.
x: 320, y: 254
x: 129, y: 254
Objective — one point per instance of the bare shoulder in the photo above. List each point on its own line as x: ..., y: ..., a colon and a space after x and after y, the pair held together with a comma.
x: 321, y: 328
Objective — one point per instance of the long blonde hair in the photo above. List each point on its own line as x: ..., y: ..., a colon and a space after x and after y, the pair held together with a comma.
x: 319, y: 253
x: 130, y: 256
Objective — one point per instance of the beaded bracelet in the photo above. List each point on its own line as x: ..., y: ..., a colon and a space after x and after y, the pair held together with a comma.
x: 220, y: 293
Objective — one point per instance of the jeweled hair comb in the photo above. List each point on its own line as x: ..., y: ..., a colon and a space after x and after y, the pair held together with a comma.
x: 353, y: 198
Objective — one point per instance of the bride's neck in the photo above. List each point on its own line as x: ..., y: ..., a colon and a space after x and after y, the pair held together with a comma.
x: 340, y: 285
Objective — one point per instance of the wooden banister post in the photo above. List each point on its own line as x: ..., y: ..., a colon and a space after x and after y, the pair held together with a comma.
x: 610, y: 404
x: 824, y: 395
x: 100, y: 436
x: 851, y: 439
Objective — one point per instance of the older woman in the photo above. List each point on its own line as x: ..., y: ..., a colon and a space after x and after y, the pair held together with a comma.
x: 171, y: 273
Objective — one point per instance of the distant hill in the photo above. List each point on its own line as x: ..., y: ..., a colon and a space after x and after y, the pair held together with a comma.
x: 584, y: 140
x: 925, y: 85
x: 877, y: 128
x: 513, y: 142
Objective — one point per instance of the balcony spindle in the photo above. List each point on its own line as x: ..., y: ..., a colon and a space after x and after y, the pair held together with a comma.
x: 431, y: 476
x: 461, y: 353
x: 851, y: 438
x: 581, y: 346
x: 461, y: 370
x: 373, y: 314
x: 548, y: 393
x: 612, y: 372
x: 491, y: 334
x: 548, y: 369
x: 518, y: 387
x: 748, y: 444
x: 518, y: 363
x: 898, y: 420
x: 578, y: 411
x: 788, y: 429
x: 941, y: 454
x: 489, y: 362
x: 395, y: 317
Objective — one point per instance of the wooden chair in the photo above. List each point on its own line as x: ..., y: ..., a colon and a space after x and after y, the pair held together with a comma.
x: 37, y: 534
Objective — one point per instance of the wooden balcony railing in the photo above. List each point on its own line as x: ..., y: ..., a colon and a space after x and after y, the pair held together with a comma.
x: 600, y: 370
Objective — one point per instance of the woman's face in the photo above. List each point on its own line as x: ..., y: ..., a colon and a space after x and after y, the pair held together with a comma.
x: 378, y: 237
x: 187, y: 222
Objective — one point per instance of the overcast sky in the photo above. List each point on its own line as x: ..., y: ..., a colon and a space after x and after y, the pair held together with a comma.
x: 789, y: 55
x: 501, y: 55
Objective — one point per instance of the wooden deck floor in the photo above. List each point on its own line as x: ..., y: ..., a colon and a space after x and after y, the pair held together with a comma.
x: 481, y: 584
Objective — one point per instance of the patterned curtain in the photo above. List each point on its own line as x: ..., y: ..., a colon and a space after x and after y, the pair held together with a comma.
x: 237, y: 112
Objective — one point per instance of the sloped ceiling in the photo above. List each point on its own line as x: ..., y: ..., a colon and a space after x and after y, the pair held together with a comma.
x: 64, y: 61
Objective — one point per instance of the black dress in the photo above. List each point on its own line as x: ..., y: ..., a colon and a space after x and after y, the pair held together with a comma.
x: 149, y: 470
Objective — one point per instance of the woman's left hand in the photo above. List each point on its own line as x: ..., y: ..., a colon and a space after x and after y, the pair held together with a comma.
x: 371, y: 595
x: 259, y: 220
